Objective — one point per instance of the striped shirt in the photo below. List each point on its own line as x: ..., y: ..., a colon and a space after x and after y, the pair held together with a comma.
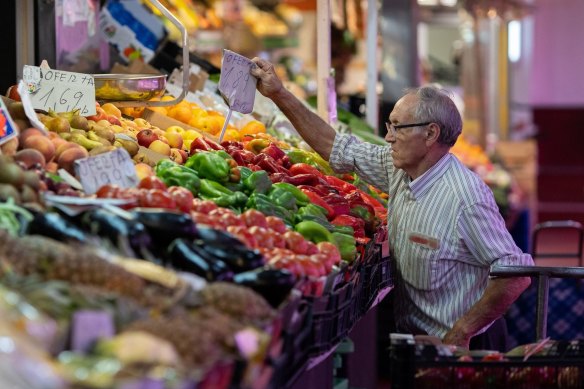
x: 445, y: 233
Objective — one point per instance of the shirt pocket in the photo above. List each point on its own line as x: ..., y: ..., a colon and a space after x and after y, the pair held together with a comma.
x: 421, y: 265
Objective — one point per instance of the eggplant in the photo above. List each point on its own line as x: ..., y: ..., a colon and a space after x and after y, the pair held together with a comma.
x: 164, y: 225
x: 239, y: 259
x: 128, y: 235
x: 219, y: 238
x: 186, y: 256
x: 273, y: 284
x: 55, y: 226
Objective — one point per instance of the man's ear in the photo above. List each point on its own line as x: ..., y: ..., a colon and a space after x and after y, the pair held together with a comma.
x: 432, y: 133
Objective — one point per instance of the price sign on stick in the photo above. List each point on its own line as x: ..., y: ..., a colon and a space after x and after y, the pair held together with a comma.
x: 60, y: 91
x: 236, y: 84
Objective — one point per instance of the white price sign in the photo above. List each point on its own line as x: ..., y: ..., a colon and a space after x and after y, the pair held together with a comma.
x: 236, y: 83
x: 115, y: 167
x: 60, y: 91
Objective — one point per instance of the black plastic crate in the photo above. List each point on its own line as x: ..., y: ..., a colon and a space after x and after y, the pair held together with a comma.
x: 421, y: 367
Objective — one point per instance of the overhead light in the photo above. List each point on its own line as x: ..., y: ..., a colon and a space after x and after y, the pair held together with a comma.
x: 448, y: 3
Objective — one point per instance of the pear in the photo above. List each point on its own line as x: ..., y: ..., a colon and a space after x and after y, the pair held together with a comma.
x: 101, y: 149
x: 78, y: 121
x: 105, y: 133
x: 84, y: 142
x: 130, y: 146
x: 58, y: 125
x: 93, y: 136
x: 16, y: 110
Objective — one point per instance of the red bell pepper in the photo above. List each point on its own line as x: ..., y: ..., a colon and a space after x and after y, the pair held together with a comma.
x: 338, y: 203
x: 314, y: 189
x: 356, y: 223
x: 317, y: 200
x: 304, y: 168
x: 341, y: 185
x: 214, y: 145
x: 274, y: 151
x: 199, y: 144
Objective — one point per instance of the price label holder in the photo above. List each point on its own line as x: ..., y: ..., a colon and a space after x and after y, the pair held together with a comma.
x: 59, y: 90
x: 115, y: 167
x: 88, y: 326
x: 7, y: 128
x: 29, y: 109
x: 237, y: 85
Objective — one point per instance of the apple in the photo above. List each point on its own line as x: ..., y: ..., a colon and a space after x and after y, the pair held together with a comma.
x: 143, y: 170
x: 174, y: 139
x: 113, y: 120
x: 160, y: 147
x: 146, y: 137
x: 176, y: 156
x: 177, y: 129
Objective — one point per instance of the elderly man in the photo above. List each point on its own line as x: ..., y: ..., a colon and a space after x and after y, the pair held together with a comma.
x: 445, y: 230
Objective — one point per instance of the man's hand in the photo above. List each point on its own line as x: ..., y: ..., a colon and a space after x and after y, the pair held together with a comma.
x: 499, y: 295
x: 457, y: 338
x: 268, y: 82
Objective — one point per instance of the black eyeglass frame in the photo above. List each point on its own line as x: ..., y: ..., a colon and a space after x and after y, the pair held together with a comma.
x: 391, y: 128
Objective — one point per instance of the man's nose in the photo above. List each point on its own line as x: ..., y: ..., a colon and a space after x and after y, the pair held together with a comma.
x: 389, y: 137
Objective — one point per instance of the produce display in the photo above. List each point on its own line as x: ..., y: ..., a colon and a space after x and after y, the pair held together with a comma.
x: 195, y: 264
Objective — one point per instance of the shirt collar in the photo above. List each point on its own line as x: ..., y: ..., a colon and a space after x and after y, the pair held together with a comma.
x: 422, y: 184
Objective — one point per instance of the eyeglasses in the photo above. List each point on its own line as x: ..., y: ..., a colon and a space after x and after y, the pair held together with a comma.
x: 392, y: 128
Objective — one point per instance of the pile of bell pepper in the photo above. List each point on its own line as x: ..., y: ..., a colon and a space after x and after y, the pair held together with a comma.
x: 294, y: 185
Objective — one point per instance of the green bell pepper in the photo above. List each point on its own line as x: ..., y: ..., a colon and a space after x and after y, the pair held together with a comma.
x: 164, y: 164
x: 220, y: 195
x: 179, y: 175
x: 312, y: 212
x: 310, y: 158
x: 301, y: 198
x: 346, y: 245
x: 209, y: 165
x: 258, y: 182
x: 263, y: 203
x: 314, y: 231
x: 283, y: 198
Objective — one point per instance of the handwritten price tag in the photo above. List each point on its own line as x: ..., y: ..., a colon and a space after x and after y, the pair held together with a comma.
x: 115, y: 167
x: 60, y: 91
x: 237, y: 84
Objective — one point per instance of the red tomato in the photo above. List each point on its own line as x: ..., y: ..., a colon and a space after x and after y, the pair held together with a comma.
x: 182, y: 197
x: 231, y: 219
x: 296, y: 242
x: 279, y: 241
x: 311, y: 268
x: 201, y: 218
x: 311, y: 248
x: 331, y: 251
x: 243, y: 234
x: 263, y: 236
x: 108, y: 191
x: 290, y: 264
x: 204, y: 206
x: 152, y: 182
x: 325, y: 260
x: 276, y: 224
x: 157, y: 198
x: 253, y: 217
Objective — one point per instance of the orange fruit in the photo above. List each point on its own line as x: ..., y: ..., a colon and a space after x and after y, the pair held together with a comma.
x: 253, y: 127
x: 181, y: 113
